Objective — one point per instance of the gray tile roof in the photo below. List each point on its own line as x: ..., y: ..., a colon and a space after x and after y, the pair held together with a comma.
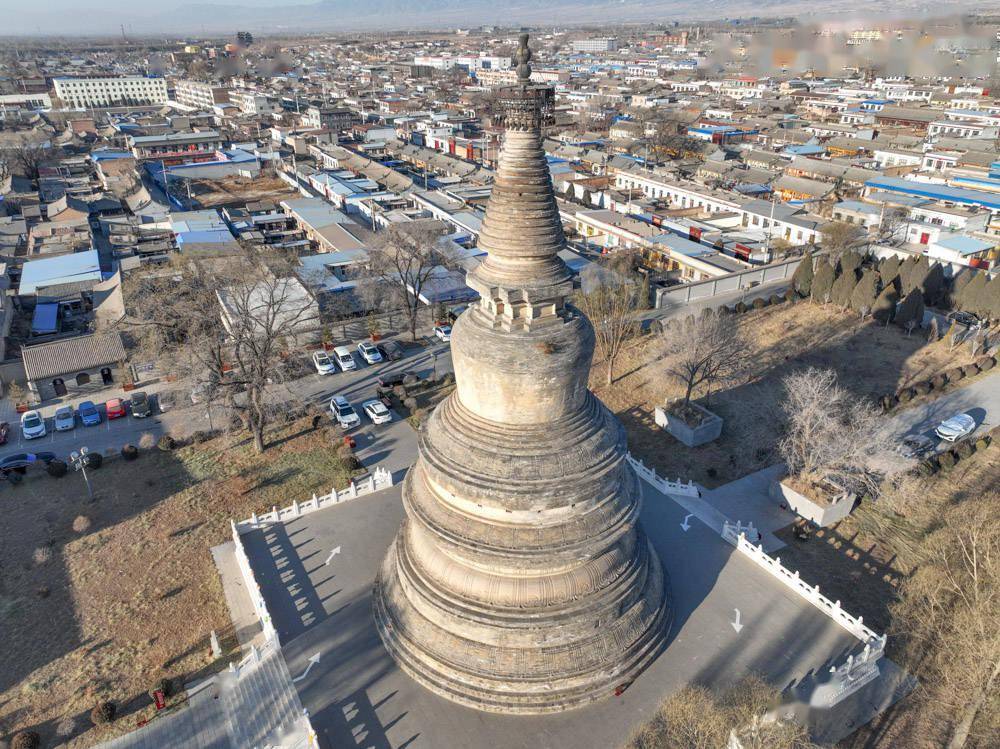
x: 72, y: 355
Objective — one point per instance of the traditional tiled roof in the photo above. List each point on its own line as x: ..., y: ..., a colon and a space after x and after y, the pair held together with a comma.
x: 72, y: 355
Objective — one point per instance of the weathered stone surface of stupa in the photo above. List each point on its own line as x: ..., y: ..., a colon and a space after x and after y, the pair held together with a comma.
x: 521, y: 580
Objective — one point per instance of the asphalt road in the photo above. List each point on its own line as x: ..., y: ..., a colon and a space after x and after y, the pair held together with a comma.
x: 357, y: 696
x: 979, y: 399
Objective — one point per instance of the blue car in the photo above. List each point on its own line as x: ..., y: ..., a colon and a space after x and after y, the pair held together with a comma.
x: 89, y: 414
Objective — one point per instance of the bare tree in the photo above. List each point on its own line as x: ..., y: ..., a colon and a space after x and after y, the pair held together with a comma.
x: 405, y: 260
x: 226, y: 328
x: 695, y: 718
x: 610, y: 298
x: 838, y: 237
x: 704, y: 351
x: 265, y: 316
x: 28, y: 157
x: 830, y: 433
x: 948, y: 613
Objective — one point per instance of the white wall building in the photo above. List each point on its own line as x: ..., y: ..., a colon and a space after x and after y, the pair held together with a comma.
x: 82, y: 93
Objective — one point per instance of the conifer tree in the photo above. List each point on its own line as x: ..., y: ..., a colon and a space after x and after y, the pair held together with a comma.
x: 885, y: 304
x: 911, y: 312
x: 840, y: 294
x: 971, y: 297
x: 823, y: 280
x: 803, y: 277
x: 933, y: 285
x: 864, y: 294
x: 888, y: 269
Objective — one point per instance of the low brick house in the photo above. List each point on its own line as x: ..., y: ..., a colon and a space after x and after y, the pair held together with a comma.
x: 74, y: 367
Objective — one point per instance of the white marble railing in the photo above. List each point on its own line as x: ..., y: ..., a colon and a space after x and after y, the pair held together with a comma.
x: 853, y: 624
x: 253, y: 589
x: 689, y: 489
x: 380, y: 478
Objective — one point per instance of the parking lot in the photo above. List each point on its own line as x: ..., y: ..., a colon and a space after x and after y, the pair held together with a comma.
x: 109, y: 434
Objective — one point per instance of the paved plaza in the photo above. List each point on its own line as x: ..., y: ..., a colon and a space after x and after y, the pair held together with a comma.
x: 357, y: 696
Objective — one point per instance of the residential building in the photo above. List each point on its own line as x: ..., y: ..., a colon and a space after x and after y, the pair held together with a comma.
x: 200, y: 94
x: 83, y: 93
x: 75, y: 366
x: 596, y: 44
x: 176, y: 148
x: 330, y: 118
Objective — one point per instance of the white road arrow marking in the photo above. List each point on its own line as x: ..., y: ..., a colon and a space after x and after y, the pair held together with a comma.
x: 684, y: 526
x: 333, y: 553
x: 313, y: 660
x: 737, y: 625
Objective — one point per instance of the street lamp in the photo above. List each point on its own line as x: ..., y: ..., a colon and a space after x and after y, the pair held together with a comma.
x: 80, y: 463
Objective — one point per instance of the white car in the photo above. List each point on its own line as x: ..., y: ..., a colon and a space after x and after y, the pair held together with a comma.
x: 377, y: 412
x: 32, y: 425
x: 65, y: 419
x: 369, y: 352
x: 443, y: 332
x: 323, y: 363
x: 956, y: 427
x: 343, y: 413
x: 342, y: 355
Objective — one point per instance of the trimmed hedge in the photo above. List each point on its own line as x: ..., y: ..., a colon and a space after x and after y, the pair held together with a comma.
x: 939, y: 381
x: 947, y: 460
x: 906, y: 395
x: 56, y: 469
x: 970, y: 370
x: 923, y: 388
x: 986, y: 363
x: 130, y: 452
x: 956, y: 374
x: 741, y: 307
x: 759, y: 303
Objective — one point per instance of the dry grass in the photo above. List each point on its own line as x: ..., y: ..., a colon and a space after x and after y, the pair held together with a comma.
x: 862, y: 560
x: 236, y: 191
x: 869, y: 360
x: 133, y: 597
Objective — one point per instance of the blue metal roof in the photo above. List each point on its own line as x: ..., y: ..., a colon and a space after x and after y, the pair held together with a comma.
x: 46, y: 318
x: 960, y: 195
x: 50, y: 271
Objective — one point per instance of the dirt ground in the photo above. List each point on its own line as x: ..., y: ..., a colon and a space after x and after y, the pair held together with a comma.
x: 102, y: 608
x: 237, y: 191
x: 869, y: 359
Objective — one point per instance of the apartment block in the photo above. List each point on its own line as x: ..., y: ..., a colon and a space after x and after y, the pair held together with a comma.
x: 200, y: 94
x: 82, y: 93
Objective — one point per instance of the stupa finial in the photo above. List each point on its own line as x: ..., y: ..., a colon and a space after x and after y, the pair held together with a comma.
x: 521, y: 60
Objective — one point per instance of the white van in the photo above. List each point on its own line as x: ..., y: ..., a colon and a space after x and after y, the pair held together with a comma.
x: 342, y: 354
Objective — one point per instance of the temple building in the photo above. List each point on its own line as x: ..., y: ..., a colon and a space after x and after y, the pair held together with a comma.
x: 521, y: 580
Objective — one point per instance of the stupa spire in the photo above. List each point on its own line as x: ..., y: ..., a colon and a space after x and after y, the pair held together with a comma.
x: 521, y: 580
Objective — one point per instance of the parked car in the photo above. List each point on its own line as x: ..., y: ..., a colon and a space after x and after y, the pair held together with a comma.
x: 89, y: 414
x: 915, y: 446
x: 343, y: 412
x: 392, y: 379
x: 139, y: 405
x: 956, y: 427
x: 342, y: 355
x: 64, y: 419
x: 443, y: 332
x: 390, y: 350
x: 377, y: 412
x: 19, y: 461
x: 115, y: 408
x: 323, y: 363
x: 967, y: 319
x: 4, y: 432
x: 369, y: 352
x: 32, y: 425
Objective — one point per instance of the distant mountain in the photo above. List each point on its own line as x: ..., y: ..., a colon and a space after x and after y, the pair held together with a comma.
x: 394, y: 15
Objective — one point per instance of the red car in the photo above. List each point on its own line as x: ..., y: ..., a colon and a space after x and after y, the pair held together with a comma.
x: 115, y: 408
